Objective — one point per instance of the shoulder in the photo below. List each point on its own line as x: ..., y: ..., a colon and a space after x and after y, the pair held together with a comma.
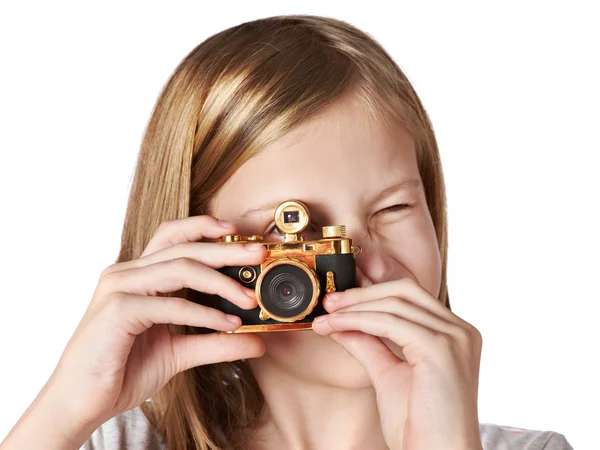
x: 128, y: 430
x: 496, y: 437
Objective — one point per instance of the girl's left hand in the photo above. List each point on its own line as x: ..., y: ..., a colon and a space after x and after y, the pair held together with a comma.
x: 422, y: 360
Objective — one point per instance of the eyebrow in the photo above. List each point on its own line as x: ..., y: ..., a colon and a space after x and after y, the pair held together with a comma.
x: 262, y: 208
x: 401, y: 186
x: 407, y: 185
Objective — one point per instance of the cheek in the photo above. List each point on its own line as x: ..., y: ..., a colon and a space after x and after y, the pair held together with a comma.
x: 417, y: 241
x: 428, y: 261
x: 413, y: 245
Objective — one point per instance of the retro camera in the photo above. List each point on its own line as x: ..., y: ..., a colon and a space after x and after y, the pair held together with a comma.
x: 296, y: 274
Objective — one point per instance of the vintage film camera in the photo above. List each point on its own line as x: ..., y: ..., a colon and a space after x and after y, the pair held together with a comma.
x: 295, y: 276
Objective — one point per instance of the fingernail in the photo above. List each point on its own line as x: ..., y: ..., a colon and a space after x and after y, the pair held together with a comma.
x: 320, y: 319
x: 232, y: 318
x: 225, y: 224
x: 253, y: 247
x: 250, y: 293
x: 333, y: 296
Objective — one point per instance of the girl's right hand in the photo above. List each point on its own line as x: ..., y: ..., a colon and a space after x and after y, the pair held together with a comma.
x: 122, y: 352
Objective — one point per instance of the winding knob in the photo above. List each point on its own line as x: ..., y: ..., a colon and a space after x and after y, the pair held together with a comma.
x: 334, y: 231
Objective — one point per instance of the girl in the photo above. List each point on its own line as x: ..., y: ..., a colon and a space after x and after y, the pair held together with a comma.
x: 292, y: 107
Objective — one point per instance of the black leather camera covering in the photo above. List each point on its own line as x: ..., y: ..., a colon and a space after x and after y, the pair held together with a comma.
x: 342, y: 266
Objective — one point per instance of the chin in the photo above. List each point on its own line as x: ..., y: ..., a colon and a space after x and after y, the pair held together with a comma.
x: 313, y: 358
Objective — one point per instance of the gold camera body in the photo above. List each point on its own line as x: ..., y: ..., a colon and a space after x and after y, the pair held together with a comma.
x: 296, y: 274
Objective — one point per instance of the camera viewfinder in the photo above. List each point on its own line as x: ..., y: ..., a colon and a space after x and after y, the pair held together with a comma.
x: 291, y: 216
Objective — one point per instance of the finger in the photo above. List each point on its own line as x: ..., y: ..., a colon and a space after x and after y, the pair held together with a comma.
x: 398, y: 330
x: 176, y: 274
x: 370, y: 352
x: 405, y: 288
x: 405, y: 309
x: 137, y: 313
x: 395, y: 348
x: 187, y: 229
x: 210, y: 254
x: 196, y: 350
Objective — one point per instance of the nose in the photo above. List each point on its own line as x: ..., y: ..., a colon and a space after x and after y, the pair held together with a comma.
x: 372, y: 265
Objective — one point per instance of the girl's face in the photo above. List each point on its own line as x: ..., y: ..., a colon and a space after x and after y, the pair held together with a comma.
x: 348, y: 172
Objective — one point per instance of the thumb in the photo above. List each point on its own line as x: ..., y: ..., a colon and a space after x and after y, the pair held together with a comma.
x: 198, y: 350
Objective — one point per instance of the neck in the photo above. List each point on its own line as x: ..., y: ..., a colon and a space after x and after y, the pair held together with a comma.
x: 303, y: 414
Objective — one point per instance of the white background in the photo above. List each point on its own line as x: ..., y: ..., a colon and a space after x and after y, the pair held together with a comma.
x: 512, y: 90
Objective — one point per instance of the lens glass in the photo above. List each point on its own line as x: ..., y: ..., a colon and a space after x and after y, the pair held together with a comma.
x: 291, y: 216
x: 286, y: 290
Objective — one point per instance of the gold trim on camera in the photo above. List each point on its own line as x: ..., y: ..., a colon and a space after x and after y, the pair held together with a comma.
x: 247, y: 274
x: 292, y: 218
x: 270, y: 328
x: 265, y: 313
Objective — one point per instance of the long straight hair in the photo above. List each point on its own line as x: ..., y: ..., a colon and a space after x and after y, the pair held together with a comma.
x: 229, y: 97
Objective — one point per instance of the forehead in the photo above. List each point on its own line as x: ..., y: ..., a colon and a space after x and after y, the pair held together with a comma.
x: 338, y: 157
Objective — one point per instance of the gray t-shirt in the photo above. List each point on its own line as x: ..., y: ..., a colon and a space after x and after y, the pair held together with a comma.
x: 130, y: 430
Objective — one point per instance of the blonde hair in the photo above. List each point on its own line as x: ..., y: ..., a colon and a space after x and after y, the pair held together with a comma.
x: 234, y: 93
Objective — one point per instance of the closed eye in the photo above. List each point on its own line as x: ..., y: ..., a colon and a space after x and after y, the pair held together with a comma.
x: 394, y: 208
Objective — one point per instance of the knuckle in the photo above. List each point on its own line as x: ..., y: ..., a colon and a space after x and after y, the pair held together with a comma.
x: 476, y: 336
x: 164, y: 226
x: 109, y: 270
x: 170, y: 230
x: 407, y: 281
x: 390, y: 322
x: 183, y: 264
x: 207, y: 220
x: 443, y: 340
x: 462, y: 335
x: 184, y: 305
x: 108, y: 280
x: 465, y: 337
x: 114, y: 303
x: 354, y: 340
x: 391, y: 302
x: 194, y: 307
x: 358, y: 290
x: 178, y: 248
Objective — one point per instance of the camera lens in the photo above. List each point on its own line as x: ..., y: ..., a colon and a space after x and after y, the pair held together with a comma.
x: 286, y: 290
